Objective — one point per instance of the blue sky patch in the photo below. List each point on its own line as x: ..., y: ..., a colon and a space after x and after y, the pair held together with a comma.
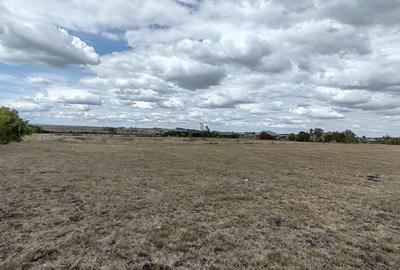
x: 102, y: 45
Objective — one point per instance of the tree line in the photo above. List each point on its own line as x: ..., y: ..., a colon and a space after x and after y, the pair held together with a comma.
x: 319, y: 135
x: 389, y: 140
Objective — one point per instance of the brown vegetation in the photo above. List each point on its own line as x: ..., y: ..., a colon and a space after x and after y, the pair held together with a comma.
x: 97, y: 202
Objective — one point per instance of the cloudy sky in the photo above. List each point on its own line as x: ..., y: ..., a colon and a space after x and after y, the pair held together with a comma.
x: 234, y: 65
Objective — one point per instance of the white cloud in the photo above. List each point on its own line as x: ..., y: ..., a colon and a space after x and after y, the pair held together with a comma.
x: 67, y: 95
x: 25, y: 42
x: 319, y: 112
x: 26, y: 105
x: 362, y: 12
x: 246, y: 48
x: 77, y: 107
x: 94, y: 16
x: 188, y: 73
x: 224, y: 100
x: 37, y: 79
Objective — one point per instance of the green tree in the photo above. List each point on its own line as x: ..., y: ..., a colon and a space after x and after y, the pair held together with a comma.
x: 349, y: 136
x: 329, y: 137
x: 390, y: 140
x: 265, y: 136
x: 292, y: 137
x: 12, y: 127
x: 303, y: 136
x: 339, y: 137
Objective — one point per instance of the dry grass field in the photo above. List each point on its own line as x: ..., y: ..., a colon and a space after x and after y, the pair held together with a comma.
x: 95, y: 202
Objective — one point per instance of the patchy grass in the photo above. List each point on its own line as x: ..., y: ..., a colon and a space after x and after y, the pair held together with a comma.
x: 96, y: 202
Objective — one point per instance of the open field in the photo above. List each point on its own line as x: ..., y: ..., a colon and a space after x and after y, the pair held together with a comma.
x: 97, y: 202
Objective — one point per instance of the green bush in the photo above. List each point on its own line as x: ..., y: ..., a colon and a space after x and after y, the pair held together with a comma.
x: 12, y: 127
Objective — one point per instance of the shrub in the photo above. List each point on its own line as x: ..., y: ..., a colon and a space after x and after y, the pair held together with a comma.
x: 12, y: 127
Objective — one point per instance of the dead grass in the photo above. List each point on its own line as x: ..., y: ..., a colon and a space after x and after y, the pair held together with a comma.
x: 95, y: 202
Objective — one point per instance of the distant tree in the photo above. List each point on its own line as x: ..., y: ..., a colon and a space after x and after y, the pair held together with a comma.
x: 389, y: 140
x: 265, y: 136
x: 349, y: 136
x: 318, y: 135
x: 329, y: 137
x: 339, y: 137
x: 292, y: 137
x: 303, y: 136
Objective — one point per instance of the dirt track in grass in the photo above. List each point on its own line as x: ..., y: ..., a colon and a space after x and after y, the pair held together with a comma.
x: 95, y: 202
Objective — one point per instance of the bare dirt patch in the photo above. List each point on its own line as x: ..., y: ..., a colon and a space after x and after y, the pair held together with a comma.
x: 96, y: 202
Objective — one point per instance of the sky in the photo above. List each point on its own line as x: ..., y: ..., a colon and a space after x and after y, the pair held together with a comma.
x: 245, y: 65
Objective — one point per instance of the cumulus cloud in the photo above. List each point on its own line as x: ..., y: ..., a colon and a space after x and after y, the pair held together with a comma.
x: 362, y: 12
x: 68, y: 96
x: 319, y: 112
x: 37, y: 79
x: 77, y: 107
x: 224, y: 100
x: 244, y: 48
x: 42, y: 44
x: 95, y: 16
x: 57, y: 98
x: 26, y: 105
x: 32, y: 42
x: 189, y: 74
x: 326, y: 37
